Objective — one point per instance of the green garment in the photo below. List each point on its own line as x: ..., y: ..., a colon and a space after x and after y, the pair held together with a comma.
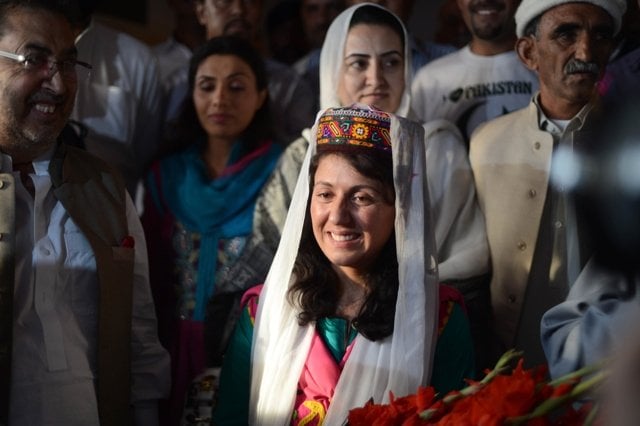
x: 453, y: 362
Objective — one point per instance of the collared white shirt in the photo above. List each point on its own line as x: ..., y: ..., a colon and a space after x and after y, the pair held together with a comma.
x: 55, y: 313
x: 563, y: 136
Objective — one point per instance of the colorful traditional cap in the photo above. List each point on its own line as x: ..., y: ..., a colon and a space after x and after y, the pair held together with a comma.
x: 357, y: 126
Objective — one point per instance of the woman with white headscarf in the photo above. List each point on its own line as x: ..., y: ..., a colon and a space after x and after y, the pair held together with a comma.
x: 365, y: 58
x: 351, y: 308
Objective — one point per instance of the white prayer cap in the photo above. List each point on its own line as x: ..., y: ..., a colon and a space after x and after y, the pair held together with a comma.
x: 531, y: 9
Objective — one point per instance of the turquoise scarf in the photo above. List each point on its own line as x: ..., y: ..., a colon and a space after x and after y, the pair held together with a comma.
x: 219, y: 208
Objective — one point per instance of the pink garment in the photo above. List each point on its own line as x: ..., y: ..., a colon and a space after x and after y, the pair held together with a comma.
x: 319, y: 376
x: 317, y: 383
x: 321, y: 372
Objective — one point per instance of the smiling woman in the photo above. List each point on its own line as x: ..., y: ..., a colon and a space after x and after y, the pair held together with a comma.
x: 366, y: 58
x: 351, y: 215
x: 201, y: 197
x: 351, y: 308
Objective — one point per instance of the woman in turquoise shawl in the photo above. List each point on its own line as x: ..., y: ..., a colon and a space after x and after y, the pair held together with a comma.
x: 200, y: 201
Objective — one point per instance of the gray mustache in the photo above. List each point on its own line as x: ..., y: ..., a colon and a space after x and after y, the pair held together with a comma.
x: 578, y: 66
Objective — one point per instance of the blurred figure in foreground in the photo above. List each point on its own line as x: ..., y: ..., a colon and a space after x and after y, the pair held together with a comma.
x: 600, y: 315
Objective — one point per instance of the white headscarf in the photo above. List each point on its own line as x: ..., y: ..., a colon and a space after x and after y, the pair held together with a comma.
x: 399, y: 363
x: 332, y: 58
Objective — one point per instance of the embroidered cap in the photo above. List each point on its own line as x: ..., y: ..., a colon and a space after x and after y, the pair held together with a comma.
x: 354, y: 127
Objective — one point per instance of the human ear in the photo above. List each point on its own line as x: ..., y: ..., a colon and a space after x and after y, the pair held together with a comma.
x: 526, y: 50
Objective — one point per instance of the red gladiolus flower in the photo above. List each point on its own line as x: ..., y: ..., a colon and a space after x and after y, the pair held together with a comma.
x: 523, y: 396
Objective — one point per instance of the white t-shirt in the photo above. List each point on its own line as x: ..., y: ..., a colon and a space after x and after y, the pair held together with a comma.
x: 121, y: 102
x: 173, y: 63
x: 469, y: 89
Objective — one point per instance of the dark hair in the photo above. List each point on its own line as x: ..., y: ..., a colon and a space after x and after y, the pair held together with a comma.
x: 315, y: 289
x: 374, y: 15
x: 69, y: 9
x: 186, y: 129
x: 532, y: 27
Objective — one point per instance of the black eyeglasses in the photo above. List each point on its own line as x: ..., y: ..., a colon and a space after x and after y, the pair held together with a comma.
x: 39, y: 62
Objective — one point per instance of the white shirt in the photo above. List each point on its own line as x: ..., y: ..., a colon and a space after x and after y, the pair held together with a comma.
x: 173, y: 66
x: 121, y: 102
x: 55, y: 314
x: 173, y: 60
x: 565, y: 221
x: 469, y: 89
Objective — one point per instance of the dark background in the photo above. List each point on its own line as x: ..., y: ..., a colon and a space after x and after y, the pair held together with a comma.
x: 151, y: 21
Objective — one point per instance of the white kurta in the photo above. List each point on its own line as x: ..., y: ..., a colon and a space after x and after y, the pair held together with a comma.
x: 56, y: 314
x: 121, y: 102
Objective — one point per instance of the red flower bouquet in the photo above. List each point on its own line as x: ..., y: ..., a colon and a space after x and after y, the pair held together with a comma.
x: 506, y: 396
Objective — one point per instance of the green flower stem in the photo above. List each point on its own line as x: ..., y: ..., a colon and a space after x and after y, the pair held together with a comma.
x: 578, y: 374
x: 503, y: 364
x: 592, y: 416
x: 551, y: 404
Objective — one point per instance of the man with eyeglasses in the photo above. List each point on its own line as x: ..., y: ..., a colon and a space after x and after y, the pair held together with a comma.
x: 291, y: 98
x: 78, y: 339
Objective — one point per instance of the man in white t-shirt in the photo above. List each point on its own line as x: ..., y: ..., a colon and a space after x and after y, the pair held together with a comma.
x: 481, y: 81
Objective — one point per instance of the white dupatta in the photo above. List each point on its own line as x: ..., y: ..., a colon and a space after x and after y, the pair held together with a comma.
x: 399, y: 363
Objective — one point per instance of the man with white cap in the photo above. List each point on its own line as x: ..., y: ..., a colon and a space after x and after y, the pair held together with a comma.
x: 536, y: 245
